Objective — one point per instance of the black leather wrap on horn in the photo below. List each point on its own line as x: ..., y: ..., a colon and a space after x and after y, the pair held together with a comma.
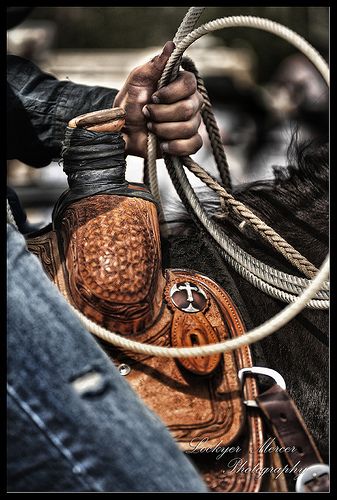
x: 95, y: 164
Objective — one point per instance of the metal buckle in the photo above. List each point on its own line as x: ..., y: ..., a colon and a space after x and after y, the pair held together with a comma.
x: 260, y: 370
x: 310, y: 473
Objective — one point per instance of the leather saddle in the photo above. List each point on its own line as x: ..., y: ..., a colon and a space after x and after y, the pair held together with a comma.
x: 105, y: 257
x: 104, y: 254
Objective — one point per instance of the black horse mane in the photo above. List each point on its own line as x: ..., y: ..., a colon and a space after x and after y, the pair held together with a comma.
x: 307, y: 174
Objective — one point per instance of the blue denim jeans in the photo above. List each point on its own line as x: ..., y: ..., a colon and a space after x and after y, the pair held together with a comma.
x: 74, y: 423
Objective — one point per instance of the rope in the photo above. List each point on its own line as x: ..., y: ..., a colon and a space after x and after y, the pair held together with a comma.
x: 187, y: 24
x: 173, y: 167
x: 287, y: 250
x: 211, y: 126
x: 252, y: 336
x: 150, y: 170
x: 250, y: 22
x: 244, y: 263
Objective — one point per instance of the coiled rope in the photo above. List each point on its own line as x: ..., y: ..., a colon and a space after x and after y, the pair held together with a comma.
x: 248, y: 266
x: 246, y: 214
x: 316, y: 286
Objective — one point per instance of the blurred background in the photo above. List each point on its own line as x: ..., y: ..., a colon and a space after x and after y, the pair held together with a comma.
x: 259, y: 85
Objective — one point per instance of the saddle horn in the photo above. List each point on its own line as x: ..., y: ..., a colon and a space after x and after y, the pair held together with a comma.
x: 112, y: 234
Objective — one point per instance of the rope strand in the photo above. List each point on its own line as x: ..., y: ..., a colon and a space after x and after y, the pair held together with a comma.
x: 211, y: 126
x: 252, y: 336
x: 150, y: 168
x: 287, y: 250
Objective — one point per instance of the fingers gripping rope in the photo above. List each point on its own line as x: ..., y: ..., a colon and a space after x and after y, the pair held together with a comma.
x: 150, y: 170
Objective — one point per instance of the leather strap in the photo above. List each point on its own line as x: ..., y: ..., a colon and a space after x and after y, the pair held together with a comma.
x: 292, y: 434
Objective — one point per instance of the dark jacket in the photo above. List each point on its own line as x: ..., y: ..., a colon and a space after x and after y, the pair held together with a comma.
x: 38, y: 109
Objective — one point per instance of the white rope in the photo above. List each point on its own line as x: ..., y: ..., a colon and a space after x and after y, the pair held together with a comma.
x: 186, y: 26
x: 188, y: 23
x: 291, y: 310
x: 255, y: 271
x: 317, y: 303
x: 238, y: 258
x: 252, y: 336
x: 250, y: 22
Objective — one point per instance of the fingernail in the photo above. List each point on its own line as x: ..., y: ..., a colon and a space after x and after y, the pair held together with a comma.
x: 164, y: 147
x: 155, y: 99
x: 146, y: 112
x: 149, y: 125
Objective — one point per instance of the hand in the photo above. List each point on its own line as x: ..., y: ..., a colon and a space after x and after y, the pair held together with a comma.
x: 171, y: 113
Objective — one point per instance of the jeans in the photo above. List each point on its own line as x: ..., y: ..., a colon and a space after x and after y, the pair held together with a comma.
x: 74, y: 423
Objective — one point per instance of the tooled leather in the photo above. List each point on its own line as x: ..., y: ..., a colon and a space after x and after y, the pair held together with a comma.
x: 217, y: 477
x: 112, y: 260
x: 195, y: 407
x: 188, y: 331
x: 45, y: 247
x: 192, y: 406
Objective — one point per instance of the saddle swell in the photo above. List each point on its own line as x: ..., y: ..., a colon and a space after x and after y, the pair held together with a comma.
x: 112, y: 261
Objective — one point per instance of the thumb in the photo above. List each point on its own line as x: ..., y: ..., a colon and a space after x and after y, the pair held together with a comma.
x: 149, y: 73
x: 159, y: 62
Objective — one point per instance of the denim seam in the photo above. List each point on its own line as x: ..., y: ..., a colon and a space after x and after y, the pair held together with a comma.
x: 65, y: 452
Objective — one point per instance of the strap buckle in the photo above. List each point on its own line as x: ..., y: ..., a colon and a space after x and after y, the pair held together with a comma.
x: 260, y: 370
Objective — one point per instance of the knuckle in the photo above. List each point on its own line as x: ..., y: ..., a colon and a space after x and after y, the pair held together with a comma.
x: 188, y: 109
x: 135, y: 72
x: 138, y: 77
x: 190, y: 81
x: 200, y: 100
x: 186, y: 147
x: 191, y: 127
x: 163, y: 94
x: 189, y: 130
x: 178, y: 150
x: 196, y: 144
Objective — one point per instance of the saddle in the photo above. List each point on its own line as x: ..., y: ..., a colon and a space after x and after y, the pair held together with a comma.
x: 103, y: 252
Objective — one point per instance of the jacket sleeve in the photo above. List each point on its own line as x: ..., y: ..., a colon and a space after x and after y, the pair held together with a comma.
x: 39, y: 107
